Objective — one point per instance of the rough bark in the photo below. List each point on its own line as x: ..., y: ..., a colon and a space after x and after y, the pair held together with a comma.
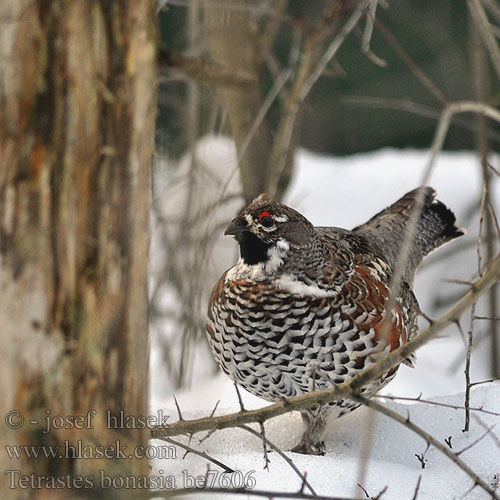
x: 77, y: 108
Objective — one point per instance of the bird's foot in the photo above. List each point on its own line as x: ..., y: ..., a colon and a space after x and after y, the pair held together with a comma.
x: 308, y: 448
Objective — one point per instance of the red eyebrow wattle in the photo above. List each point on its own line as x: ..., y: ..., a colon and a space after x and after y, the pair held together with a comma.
x: 264, y: 214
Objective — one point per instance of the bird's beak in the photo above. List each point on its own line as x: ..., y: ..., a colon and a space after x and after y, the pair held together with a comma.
x: 234, y: 230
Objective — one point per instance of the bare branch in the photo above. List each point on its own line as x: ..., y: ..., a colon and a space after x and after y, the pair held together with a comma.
x: 492, y: 435
x: 240, y: 401
x: 178, y: 408
x: 305, y: 401
x: 421, y: 458
x: 480, y: 438
x: 370, y: 19
x: 417, y: 488
x: 467, y: 368
x: 484, y: 382
x: 480, y: 231
x: 438, y: 403
x: 379, y: 495
x: 202, y: 454
x: 288, y: 460
x: 412, y: 65
x: 431, y: 440
x: 264, y: 445
x: 414, y: 108
x: 487, y: 35
x: 493, y: 169
x: 332, y: 49
x: 304, y: 81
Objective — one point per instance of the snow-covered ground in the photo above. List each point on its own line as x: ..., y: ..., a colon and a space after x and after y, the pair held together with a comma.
x: 392, y: 460
x: 345, y: 192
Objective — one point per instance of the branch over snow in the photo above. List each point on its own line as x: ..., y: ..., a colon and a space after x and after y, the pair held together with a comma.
x: 351, y: 387
x: 431, y: 440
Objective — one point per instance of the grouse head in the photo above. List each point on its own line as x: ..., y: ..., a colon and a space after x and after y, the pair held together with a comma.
x: 267, y: 229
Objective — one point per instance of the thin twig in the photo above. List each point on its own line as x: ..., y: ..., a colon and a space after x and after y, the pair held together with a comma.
x: 480, y: 438
x: 421, y: 458
x: 202, y: 454
x: 178, y: 408
x: 416, y: 108
x: 417, y: 488
x: 480, y: 231
x: 287, y: 459
x: 467, y: 369
x: 439, y: 403
x: 215, y: 408
x: 264, y: 445
x: 493, y: 169
x: 431, y: 440
x: 493, y: 436
x: 486, y: 33
x: 367, y: 495
x: 370, y: 19
x: 332, y: 48
x: 412, y: 65
x: 240, y: 401
x: 484, y: 382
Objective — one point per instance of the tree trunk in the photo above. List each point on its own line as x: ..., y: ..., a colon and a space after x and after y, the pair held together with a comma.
x: 77, y: 109
x: 229, y: 33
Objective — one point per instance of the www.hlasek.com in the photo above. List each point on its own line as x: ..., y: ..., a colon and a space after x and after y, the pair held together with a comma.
x: 211, y: 479
x: 80, y: 450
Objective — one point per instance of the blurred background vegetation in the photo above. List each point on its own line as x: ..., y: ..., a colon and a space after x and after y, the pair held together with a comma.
x: 360, y: 103
x: 334, y: 76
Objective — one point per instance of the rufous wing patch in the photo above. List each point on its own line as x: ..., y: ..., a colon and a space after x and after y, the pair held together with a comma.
x: 376, y: 298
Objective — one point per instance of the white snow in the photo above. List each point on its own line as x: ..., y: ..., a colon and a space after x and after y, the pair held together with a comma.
x: 391, y: 463
x: 345, y: 192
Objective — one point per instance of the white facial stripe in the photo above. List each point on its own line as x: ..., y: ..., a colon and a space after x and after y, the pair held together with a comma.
x: 281, y: 218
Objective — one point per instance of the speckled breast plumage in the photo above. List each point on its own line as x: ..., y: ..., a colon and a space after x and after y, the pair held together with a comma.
x: 276, y: 343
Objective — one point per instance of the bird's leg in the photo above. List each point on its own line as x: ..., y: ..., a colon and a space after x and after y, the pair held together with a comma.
x: 312, y: 440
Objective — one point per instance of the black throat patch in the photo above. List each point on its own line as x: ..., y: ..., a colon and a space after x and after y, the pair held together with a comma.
x: 252, y: 250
